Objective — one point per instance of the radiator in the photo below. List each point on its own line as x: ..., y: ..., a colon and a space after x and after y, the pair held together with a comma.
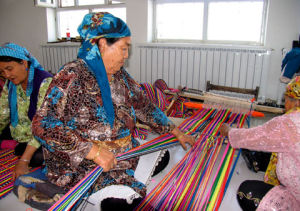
x: 184, y: 65
x: 194, y: 66
x: 54, y: 56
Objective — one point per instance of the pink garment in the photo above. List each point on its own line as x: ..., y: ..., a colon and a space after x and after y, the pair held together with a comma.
x: 282, y: 135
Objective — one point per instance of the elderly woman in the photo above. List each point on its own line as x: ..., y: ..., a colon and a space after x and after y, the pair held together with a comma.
x: 22, y: 94
x: 281, y: 135
x: 91, y: 108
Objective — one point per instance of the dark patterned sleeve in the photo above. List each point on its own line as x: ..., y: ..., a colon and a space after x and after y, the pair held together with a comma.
x: 147, y: 112
x: 54, y: 124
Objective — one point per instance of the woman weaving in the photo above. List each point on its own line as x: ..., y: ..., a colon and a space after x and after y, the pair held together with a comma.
x: 90, y: 111
x: 281, y: 135
x: 22, y: 95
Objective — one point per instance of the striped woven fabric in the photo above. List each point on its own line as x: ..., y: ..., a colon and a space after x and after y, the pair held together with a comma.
x: 157, y: 96
x: 8, y: 161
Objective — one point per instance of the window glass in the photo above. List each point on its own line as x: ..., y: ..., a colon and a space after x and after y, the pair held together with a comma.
x: 240, y: 21
x: 118, y: 12
x: 90, y: 2
x: 69, y: 21
x: 67, y: 3
x: 117, y: 2
x: 179, y: 20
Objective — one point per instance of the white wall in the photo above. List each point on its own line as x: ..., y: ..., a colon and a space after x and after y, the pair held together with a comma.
x: 26, y: 25
x: 23, y: 24
x: 283, y: 27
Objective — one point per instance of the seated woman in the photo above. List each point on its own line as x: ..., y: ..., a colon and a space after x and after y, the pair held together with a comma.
x: 22, y: 94
x: 281, y: 135
x: 90, y: 112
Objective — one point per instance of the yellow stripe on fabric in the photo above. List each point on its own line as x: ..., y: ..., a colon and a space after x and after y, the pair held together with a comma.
x: 214, y: 197
x: 191, y: 179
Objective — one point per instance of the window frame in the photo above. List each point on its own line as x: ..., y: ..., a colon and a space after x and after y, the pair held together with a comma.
x: 90, y: 8
x: 76, y: 3
x: 205, y: 29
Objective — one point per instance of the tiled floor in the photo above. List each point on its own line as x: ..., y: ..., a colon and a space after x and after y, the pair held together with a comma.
x: 241, y: 173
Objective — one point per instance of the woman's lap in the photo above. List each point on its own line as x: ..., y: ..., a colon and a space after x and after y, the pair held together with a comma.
x: 34, y: 190
x: 251, y: 192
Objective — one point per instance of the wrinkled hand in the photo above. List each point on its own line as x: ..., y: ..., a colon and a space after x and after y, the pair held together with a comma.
x: 21, y: 168
x: 183, y: 139
x: 224, y: 129
x: 106, y: 159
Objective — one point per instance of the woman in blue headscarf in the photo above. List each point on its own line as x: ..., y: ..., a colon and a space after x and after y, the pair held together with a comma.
x: 22, y: 94
x: 91, y: 109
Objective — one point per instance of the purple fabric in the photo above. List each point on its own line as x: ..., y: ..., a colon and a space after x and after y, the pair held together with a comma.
x: 39, y: 76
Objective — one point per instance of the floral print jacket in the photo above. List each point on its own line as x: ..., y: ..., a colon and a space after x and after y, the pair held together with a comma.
x: 72, y: 118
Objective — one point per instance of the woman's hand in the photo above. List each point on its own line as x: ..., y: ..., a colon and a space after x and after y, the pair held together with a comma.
x: 102, y: 157
x: 183, y: 139
x: 21, y: 168
x: 224, y: 129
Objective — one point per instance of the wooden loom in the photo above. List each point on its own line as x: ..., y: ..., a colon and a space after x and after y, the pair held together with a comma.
x: 218, y: 99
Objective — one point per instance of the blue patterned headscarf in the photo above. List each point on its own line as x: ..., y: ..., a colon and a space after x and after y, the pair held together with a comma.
x: 16, y: 51
x: 93, y: 27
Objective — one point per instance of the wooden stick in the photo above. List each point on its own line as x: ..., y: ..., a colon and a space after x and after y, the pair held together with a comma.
x: 173, y: 100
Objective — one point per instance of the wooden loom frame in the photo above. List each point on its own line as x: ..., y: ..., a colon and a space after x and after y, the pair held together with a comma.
x: 199, y: 95
x: 210, y: 86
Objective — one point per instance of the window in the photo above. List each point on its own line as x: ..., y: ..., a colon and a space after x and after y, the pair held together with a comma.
x: 71, y: 12
x: 222, y: 21
x: 69, y: 21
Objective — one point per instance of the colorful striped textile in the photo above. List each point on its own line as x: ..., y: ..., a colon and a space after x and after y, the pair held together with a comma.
x: 157, y: 96
x: 8, y: 161
x: 199, y: 180
x: 70, y: 198
x: 198, y: 162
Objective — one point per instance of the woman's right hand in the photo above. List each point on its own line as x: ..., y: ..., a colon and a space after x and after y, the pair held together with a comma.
x: 105, y: 159
x: 224, y: 129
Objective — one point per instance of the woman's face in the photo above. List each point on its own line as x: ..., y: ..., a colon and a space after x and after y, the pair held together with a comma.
x: 14, y: 71
x: 114, y: 55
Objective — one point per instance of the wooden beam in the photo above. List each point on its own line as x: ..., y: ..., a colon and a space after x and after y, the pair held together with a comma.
x: 201, y: 97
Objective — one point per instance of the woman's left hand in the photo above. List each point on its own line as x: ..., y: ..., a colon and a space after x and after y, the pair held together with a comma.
x: 183, y: 139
